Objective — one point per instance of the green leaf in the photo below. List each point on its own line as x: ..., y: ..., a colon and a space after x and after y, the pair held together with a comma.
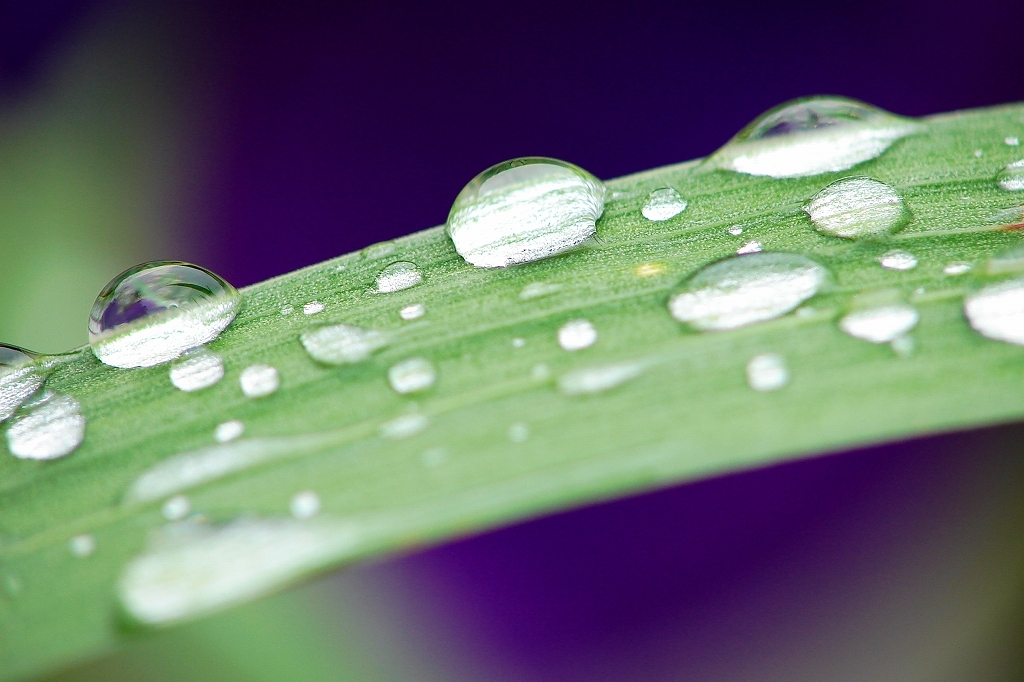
x: 496, y: 439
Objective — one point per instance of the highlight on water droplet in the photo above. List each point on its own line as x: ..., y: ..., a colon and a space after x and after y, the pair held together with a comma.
x: 743, y: 290
x: 339, y: 344
x: 1011, y: 178
x: 881, y: 324
x: 259, y: 380
x: 767, y: 372
x: 591, y: 380
x: 154, y: 312
x: 398, y: 276
x: 197, y: 369
x: 228, y: 431
x: 577, y: 335
x: 176, y: 508
x: 304, y: 504
x: 19, y: 378
x: 413, y: 311
x: 898, y: 259
x: 812, y: 136
x: 519, y: 432
x: 82, y: 546
x: 956, y: 268
x: 749, y: 247
x: 312, y: 308
x: 406, y: 426
x: 412, y: 375
x: 997, y: 311
x: 856, y: 208
x: 524, y: 210
x: 48, y: 427
x: 663, y: 204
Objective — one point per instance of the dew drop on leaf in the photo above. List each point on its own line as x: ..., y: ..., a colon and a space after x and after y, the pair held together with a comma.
x: 413, y: 311
x: 398, y: 276
x: 997, y: 311
x: 897, y: 259
x: 339, y: 344
x: 313, y: 308
x: 577, y: 335
x: 538, y: 289
x: 956, y: 268
x: 176, y: 508
x: 406, y: 426
x: 663, y: 204
x: 48, y: 427
x: 524, y: 210
x: 749, y: 247
x: 197, y: 369
x: 519, y: 432
x: 856, y: 208
x: 881, y: 324
x: 1012, y: 177
x: 228, y: 431
x: 412, y: 375
x: 590, y: 380
x: 81, y: 546
x: 304, y: 504
x: 19, y: 379
x: 767, y: 372
x: 259, y: 380
x: 1011, y: 141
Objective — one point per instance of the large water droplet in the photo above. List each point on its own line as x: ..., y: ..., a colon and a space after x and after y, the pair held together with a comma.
x: 881, y: 324
x: 854, y: 208
x: 412, y: 375
x: 196, y: 370
x: 767, y: 372
x: 19, y: 379
x: 524, y: 210
x: 743, y: 290
x: 259, y: 380
x: 591, y: 380
x: 49, y: 427
x: 190, y: 570
x: 398, y: 276
x: 154, y: 312
x: 811, y: 136
x: 1012, y: 177
x: 997, y: 311
x: 663, y: 204
x: 577, y: 335
x: 342, y: 343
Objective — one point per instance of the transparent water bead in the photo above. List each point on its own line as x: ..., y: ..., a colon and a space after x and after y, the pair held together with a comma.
x: 524, y: 210
x: 190, y: 570
x: 811, y: 136
x: 154, y: 312
x: 1012, y: 177
x: 747, y: 289
x: 577, y: 335
x: 398, y: 276
x: 19, y: 379
x: 406, y: 426
x: 881, y: 324
x: 81, y: 546
x: 519, y: 432
x: 49, y: 427
x: 663, y: 204
x: 1011, y: 141
x: 339, y: 344
x: 196, y: 370
x: 304, y: 505
x: 855, y: 208
x: 956, y: 268
x: 538, y: 289
x: 413, y: 311
x: 897, y: 259
x: 259, y: 380
x: 590, y: 380
x: 749, y: 247
x: 228, y: 431
x: 767, y: 372
x: 313, y: 308
x: 997, y: 311
x: 176, y: 508
x: 412, y: 375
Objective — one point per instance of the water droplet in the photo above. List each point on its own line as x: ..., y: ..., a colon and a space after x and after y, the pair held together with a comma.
x: 538, y: 289
x: 48, y: 427
x: 518, y: 342
x: 413, y: 311
x: 176, y: 508
x: 154, y: 312
x: 82, y: 546
x: 304, y: 505
x: 978, y: 153
x: 19, y: 379
x: 854, y: 208
x: 881, y: 324
x: 735, y: 230
x: 903, y: 346
x: 404, y: 427
x: 519, y: 433
x: 743, y: 290
x: 190, y: 570
x: 342, y: 343
x: 1012, y: 178
x: 577, y: 335
x: 228, y: 431
x: 379, y: 250
x: 312, y: 308
x: 197, y: 369
x: 956, y: 268
x: 997, y: 311
x: 1011, y: 260
x: 749, y: 247
x: 287, y: 310
x: 649, y: 270
x: 663, y: 204
x: 767, y: 372
x: 590, y: 380
x: 1012, y: 141
x: 524, y: 210
x: 434, y: 457
x: 414, y: 374
x: 259, y: 380
x: 540, y: 372
x: 811, y: 136
x: 897, y: 259
x: 398, y: 276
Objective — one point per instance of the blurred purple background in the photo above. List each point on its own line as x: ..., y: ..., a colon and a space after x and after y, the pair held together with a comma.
x: 326, y: 128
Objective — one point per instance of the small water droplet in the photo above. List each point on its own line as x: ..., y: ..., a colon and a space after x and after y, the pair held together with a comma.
x: 379, y: 250
x: 518, y: 342
x: 663, y: 204
x: 590, y: 380
x: 176, y: 508
x: 997, y: 311
x: 19, y: 379
x: 287, y: 310
x: 398, y: 276
x: 978, y: 153
x: 48, y: 427
x: 811, y: 136
x: 259, y: 380
x: 342, y: 343
x: 405, y: 426
x: 735, y: 230
x: 197, y: 369
x: 228, y: 431
x: 855, y: 208
x: 577, y: 335
x: 304, y: 505
x: 767, y: 372
x: 154, y: 312
x: 742, y: 290
x: 434, y: 457
x: 519, y: 433
x: 956, y: 268
x: 649, y: 270
x: 1012, y: 141
x: 903, y: 346
x: 538, y: 289
x: 897, y: 259
x: 412, y: 375
x: 1012, y: 177
x: 524, y: 210
x: 749, y: 247
x: 540, y: 372
x: 312, y: 308
x: 881, y: 324
x: 413, y: 311
x: 82, y: 546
